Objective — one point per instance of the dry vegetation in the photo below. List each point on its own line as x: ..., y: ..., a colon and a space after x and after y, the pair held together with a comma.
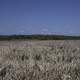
x: 40, y: 60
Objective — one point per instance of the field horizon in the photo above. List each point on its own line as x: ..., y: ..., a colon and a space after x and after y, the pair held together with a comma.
x: 39, y: 37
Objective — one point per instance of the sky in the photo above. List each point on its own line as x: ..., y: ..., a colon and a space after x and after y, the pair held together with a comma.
x: 40, y: 17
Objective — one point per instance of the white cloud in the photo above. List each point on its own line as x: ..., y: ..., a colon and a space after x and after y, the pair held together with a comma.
x: 45, y: 30
x: 22, y: 31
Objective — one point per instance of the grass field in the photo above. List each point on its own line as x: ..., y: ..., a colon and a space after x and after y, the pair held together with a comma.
x: 40, y: 60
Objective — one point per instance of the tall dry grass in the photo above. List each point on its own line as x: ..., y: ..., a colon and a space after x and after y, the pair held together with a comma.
x: 52, y: 60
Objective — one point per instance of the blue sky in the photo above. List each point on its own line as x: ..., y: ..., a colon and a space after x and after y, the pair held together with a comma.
x: 40, y: 16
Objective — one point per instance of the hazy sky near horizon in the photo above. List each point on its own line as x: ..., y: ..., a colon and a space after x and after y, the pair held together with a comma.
x: 40, y: 16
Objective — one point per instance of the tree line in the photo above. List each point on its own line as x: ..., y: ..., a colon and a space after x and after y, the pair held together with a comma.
x: 38, y: 37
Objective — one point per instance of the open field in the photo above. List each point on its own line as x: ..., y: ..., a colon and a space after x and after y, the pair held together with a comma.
x: 40, y: 60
